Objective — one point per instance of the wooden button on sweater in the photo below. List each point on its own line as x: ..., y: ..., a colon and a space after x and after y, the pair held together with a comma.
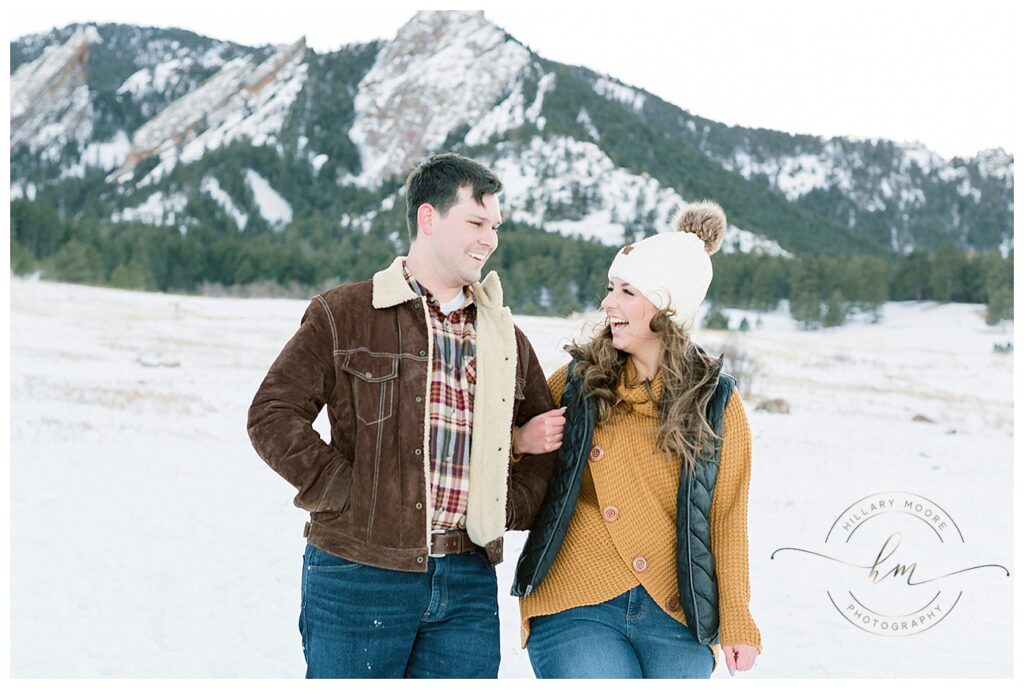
x: 610, y: 513
x: 639, y: 563
x: 596, y: 453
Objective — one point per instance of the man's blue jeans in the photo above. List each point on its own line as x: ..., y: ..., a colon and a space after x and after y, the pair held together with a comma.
x: 362, y: 621
x: 626, y: 637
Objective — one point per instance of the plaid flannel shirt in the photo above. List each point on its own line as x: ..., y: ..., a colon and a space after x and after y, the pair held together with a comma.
x: 450, y: 409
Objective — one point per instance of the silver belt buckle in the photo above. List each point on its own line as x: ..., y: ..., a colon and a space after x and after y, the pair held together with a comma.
x: 436, y: 531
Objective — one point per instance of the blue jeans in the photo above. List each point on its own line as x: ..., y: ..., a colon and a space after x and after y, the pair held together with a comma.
x: 362, y: 621
x: 626, y: 637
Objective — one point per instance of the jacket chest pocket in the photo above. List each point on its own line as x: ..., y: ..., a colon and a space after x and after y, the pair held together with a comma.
x: 374, y: 377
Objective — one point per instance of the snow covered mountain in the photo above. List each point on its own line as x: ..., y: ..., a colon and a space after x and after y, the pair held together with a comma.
x: 164, y: 127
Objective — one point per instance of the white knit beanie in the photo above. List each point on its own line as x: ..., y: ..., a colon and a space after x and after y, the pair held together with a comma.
x: 674, y: 268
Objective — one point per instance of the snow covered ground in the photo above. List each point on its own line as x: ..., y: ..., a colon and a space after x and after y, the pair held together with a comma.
x: 149, y: 540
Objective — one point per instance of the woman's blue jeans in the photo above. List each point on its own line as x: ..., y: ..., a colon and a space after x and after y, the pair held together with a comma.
x: 362, y: 621
x: 628, y: 636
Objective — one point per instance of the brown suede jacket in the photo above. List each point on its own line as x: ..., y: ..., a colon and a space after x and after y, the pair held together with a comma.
x: 363, y: 349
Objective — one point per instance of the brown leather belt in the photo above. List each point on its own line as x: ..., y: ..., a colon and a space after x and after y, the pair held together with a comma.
x: 451, y: 542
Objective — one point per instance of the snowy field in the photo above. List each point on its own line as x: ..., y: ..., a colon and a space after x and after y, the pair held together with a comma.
x: 149, y: 540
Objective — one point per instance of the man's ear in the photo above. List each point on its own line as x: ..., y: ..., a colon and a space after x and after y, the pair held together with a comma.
x: 425, y: 218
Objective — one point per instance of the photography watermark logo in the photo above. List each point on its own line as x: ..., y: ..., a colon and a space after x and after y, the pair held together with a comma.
x: 900, y: 558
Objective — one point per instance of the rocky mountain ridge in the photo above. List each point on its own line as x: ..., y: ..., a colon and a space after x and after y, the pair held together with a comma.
x: 155, y: 123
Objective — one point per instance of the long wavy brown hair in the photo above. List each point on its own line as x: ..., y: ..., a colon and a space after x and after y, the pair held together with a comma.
x: 688, y: 379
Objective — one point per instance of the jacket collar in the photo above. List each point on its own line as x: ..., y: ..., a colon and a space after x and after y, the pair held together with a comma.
x: 390, y: 288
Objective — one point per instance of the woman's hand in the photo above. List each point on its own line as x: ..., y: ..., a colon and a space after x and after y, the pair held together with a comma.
x: 542, y: 433
x: 739, y: 656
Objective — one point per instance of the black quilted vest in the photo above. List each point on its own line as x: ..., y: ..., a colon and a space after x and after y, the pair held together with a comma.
x: 695, y: 566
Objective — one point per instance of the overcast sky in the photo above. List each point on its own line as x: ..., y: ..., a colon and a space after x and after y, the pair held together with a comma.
x: 900, y: 69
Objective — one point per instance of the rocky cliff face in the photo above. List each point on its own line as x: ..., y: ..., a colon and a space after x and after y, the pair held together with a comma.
x: 50, y: 103
x: 442, y: 71
x: 244, y: 99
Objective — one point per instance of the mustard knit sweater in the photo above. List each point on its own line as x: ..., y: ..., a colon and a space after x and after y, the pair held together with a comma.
x: 626, y: 510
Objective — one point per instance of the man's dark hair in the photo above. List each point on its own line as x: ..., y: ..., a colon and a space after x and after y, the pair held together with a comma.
x: 438, y: 180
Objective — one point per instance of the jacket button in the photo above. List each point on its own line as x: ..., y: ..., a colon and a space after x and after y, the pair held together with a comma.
x: 419, y: 505
x: 423, y: 352
x: 419, y: 400
x: 418, y: 452
x: 639, y: 563
x: 596, y: 453
x: 419, y: 560
x: 610, y: 513
x: 672, y: 603
x: 368, y: 374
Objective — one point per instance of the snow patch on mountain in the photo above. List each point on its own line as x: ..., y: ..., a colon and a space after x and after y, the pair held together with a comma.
x: 442, y: 71
x: 272, y: 206
x: 157, y: 209
x: 507, y: 115
x: 547, y: 82
x: 917, y: 153
x: 359, y: 223
x: 159, y: 78
x: 257, y: 116
x: 317, y: 161
x: 511, y: 113
x: 965, y: 188
x: 613, y: 90
x: 740, y: 241
x: 211, y: 187
x: 137, y: 84
x: 50, y: 104
x: 20, y: 190
x: 574, y: 188
x: 164, y: 63
x: 548, y: 182
x: 156, y: 79
x: 242, y: 100
x: 995, y: 162
x: 912, y: 196
x: 101, y: 155
x: 837, y: 167
x: 588, y: 125
x: 841, y: 167
x: 794, y: 176
x: 184, y: 117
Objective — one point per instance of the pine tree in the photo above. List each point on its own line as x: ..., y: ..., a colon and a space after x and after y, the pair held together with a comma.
x: 913, y: 277
x: 1000, y: 306
x: 870, y: 289
x: 716, y: 319
x: 132, y: 275
x: 76, y: 262
x: 805, y: 293
x: 37, y: 227
x: 22, y: 260
x: 835, y: 310
x: 947, y: 264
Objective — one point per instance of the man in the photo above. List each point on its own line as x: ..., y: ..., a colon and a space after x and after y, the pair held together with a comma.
x: 424, y: 376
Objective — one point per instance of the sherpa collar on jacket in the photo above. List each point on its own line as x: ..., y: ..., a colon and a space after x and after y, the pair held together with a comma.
x: 390, y: 288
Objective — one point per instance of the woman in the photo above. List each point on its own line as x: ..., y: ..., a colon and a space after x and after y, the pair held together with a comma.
x: 636, y: 565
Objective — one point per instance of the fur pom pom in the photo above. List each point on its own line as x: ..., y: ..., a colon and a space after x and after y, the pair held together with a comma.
x: 706, y: 219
